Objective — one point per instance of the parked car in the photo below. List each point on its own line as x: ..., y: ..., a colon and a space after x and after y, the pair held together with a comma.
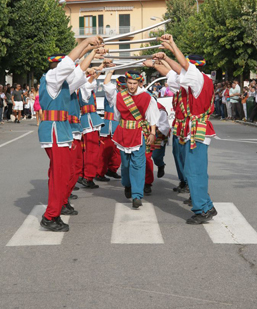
x: 165, y: 101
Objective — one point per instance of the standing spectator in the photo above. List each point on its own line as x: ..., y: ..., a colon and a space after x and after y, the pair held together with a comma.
x: 168, y: 92
x: 227, y: 98
x: 244, y: 98
x: 218, y: 95
x: 9, y: 103
x: 17, y: 102
x: 31, y: 102
x: 2, y: 98
x: 155, y: 92
x: 234, y: 99
x: 253, y: 94
x: 163, y: 89
x: 37, y: 107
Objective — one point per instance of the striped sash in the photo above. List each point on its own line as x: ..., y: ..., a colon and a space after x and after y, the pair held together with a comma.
x: 88, y: 109
x: 129, y: 124
x: 129, y: 102
x: 49, y: 115
x: 108, y: 115
x: 73, y: 119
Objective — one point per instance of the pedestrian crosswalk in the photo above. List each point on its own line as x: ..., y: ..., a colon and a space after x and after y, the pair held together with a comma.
x: 141, y: 227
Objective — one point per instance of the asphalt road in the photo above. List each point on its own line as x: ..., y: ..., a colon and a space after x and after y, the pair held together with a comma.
x: 86, y: 270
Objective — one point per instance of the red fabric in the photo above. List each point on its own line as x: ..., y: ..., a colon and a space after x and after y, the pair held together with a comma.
x: 58, y: 178
x: 91, y: 154
x: 203, y: 102
x: 131, y: 137
x: 161, y: 107
x: 76, y: 167
x: 109, y: 156
x: 149, y: 178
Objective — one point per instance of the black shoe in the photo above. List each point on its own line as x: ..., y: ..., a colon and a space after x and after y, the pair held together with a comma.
x: 147, y: 189
x: 213, y: 211
x: 68, y: 210
x: 73, y: 196
x: 80, y: 180
x: 54, y: 225
x: 188, y: 201
x: 181, y: 185
x: 59, y: 220
x: 18, y: 121
x: 100, y: 178
x: 136, y: 203
x: 89, y: 184
x: 127, y: 192
x: 75, y: 189
x: 113, y: 174
x: 203, y: 217
x: 161, y: 171
x: 15, y: 120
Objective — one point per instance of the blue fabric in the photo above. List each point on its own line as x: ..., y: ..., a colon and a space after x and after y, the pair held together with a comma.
x: 61, y: 102
x: 105, y: 130
x: 178, y: 151
x: 158, y: 156
x: 133, y: 171
x: 74, y: 110
x: 95, y: 119
x: 196, y: 165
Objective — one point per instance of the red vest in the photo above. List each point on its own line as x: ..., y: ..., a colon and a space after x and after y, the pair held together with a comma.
x: 128, y: 138
x: 202, y: 103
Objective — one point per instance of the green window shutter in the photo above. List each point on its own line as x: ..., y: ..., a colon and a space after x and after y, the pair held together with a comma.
x: 94, y: 24
x: 81, y: 25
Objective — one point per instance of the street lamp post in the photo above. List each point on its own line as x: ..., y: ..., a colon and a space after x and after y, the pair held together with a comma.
x: 155, y: 17
x: 197, y: 5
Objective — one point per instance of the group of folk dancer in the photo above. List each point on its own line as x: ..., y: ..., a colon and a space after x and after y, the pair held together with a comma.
x: 82, y: 146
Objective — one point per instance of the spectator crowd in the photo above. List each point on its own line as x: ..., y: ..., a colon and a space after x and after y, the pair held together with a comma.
x: 18, y: 103
x: 233, y: 103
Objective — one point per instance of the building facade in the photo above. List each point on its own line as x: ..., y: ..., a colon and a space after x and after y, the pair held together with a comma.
x: 110, y: 18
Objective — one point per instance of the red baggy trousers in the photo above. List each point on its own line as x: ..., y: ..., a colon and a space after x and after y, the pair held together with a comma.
x: 149, y: 178
x: 109, y: 156
x: 58, y: 178
x: 91, y: 154
x: 75, y: 165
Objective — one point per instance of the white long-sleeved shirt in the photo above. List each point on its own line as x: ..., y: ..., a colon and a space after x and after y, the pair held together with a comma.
x: 86, y: 92
x: 75, y: 77
x: 192, y: 78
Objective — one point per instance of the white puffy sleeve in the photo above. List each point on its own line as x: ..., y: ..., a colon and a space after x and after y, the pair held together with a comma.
x: 192, y: 78
x: 55, y: 77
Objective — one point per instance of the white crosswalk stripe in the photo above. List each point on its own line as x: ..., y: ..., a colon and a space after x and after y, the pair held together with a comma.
x: 136, y: 226
x: 230, y: 226
x: 31, y: 234
x: 140, y: 227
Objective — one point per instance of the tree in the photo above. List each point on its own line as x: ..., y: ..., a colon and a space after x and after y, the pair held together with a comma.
x: 225, y: 32
x: 40, y: 28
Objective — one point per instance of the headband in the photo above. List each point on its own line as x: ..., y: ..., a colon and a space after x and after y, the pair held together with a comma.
x: 196, y: 60
x: 55, y: 58
x: 133, y: 76
x: 120, y: 84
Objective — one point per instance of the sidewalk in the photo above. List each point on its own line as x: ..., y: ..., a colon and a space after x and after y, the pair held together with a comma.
x: 247, y: 123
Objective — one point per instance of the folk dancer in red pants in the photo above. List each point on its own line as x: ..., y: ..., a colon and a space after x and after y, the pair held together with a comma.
x: 55, y: 133
x: 109, y: 156
x: 91, y: 123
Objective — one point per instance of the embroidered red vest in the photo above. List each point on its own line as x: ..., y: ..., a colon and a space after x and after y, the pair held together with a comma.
x: 201, y: 104
x: 130, y: 137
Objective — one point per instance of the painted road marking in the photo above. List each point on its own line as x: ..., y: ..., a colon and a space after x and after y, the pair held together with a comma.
x: 15, y: 139
x: 230, y: 226
x: 32, y: 234
x: 135, y: 226
x: 249, y: 141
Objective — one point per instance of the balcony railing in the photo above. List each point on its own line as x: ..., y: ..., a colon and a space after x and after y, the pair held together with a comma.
x: 104, y: 31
